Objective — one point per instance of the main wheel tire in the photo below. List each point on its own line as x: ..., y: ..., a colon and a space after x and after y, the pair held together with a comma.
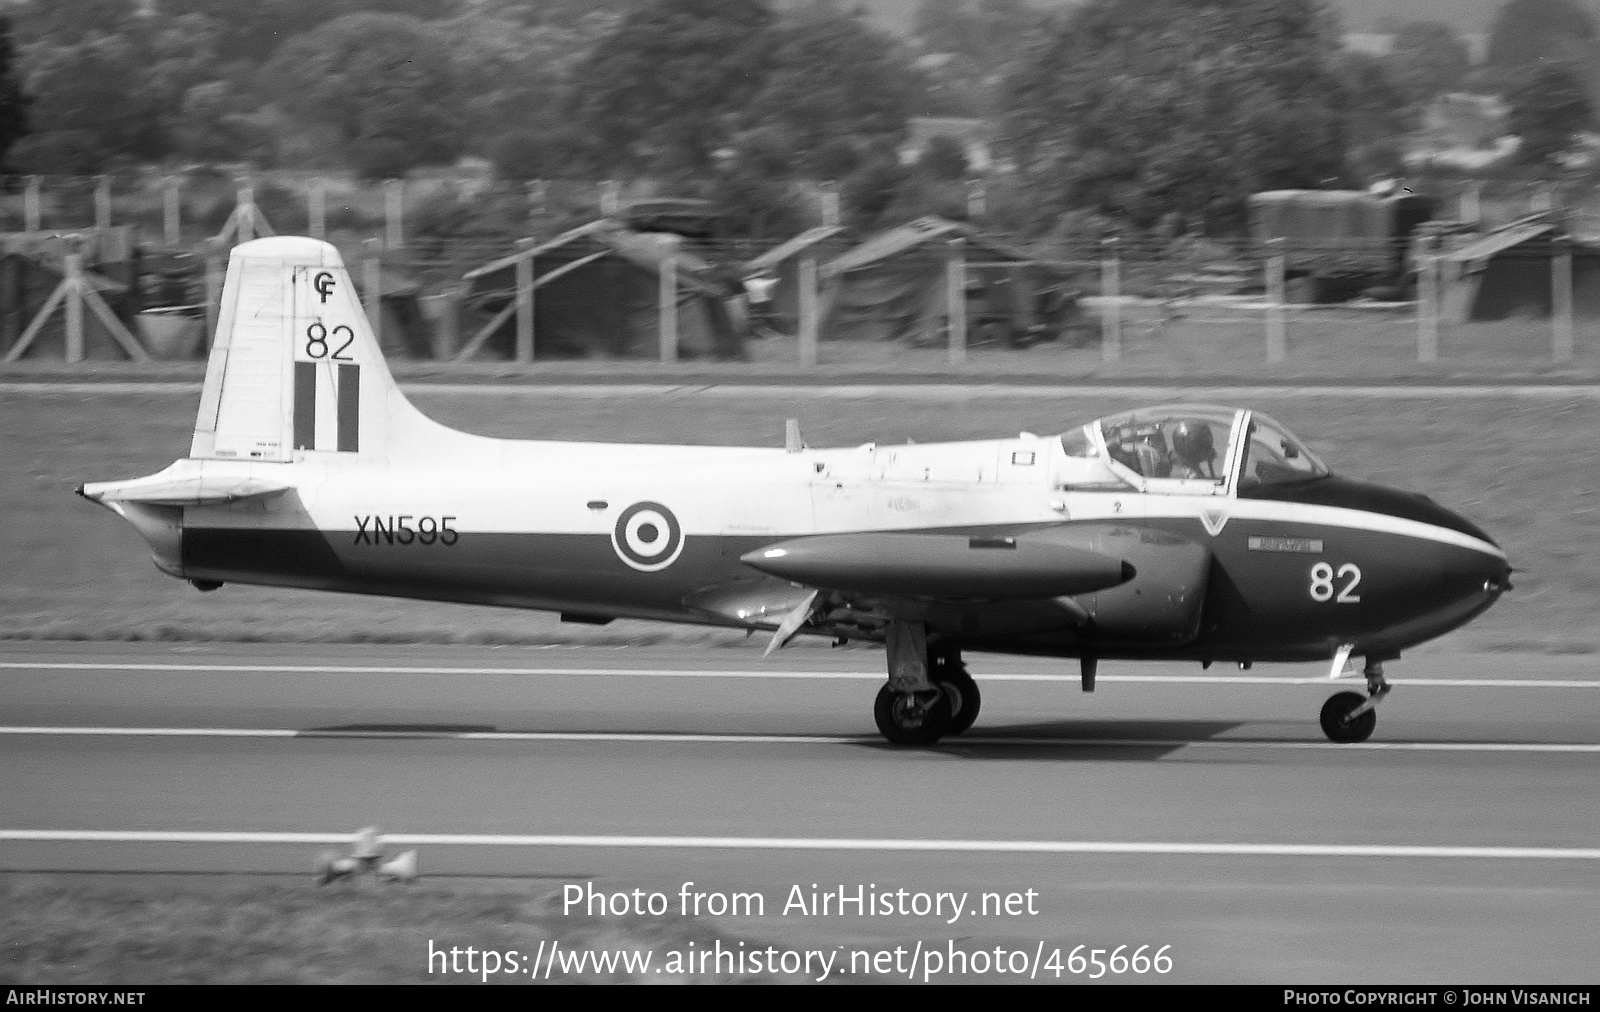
x: 965, y: 699
x: 1335, y: 718
x: 903, y: 722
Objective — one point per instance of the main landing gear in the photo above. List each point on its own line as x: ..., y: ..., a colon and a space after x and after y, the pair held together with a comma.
x: 1350, y: 717
x: 929, y: 693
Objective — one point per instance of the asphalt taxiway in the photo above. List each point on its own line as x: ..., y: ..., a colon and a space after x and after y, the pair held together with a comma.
x: 1201, y: 810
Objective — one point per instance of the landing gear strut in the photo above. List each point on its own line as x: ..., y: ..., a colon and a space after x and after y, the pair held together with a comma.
x: 1348, y: 717
x: 929, y: 693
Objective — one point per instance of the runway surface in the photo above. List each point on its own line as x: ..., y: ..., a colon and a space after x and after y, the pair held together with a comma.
x: 1200, y: 810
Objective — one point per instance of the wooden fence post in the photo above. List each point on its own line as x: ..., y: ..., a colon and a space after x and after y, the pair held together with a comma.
x: 73, y: 268
x: 1561, y: 337
x: 1471, y: 208
x: 1277, y: 338
x: 668, y: 302
x: 372, y: 285
x: 10, y: 305
x: 977, y: 199
x: 102, y: 202
x: 538, y: 194
x: 317, y: 208
x: 524, y: 297
x: 1111, y: 299
x: 1427, y: 301
x: 214, y: 278
x: 393, y: 213
x: 956, y: 299
x: 828, y: 204
x: 32, y: 213
x: 245, y: 210
x: 447, y: 325
x: 171, y: 223
x: 808, y: 309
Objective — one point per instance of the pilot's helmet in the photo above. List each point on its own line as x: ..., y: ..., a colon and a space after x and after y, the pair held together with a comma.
x: 1192, y: 444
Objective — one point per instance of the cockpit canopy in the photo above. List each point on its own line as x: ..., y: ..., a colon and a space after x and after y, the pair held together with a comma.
x: 1186, y: 449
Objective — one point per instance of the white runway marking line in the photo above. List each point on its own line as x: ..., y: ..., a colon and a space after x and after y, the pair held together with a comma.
x: 818, y: 843
x: 792, y: 739
x: 160, y: 732
x: 332, y: 669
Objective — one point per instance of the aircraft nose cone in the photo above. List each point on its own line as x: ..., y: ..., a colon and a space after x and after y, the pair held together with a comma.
x: 1496, y: 577
x: 1489, y: 572
x: 1470, y: 576
x: 1476, y: 579
x: 1479, y: 574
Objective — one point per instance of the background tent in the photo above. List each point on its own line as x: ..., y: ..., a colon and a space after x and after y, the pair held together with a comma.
x: 1345, y: 240
x: 894, y: 287
x: 1507, y: 273
x: 783, y: 263
x: 601, y: 297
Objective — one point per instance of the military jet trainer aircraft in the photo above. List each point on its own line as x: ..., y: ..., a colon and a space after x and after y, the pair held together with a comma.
x: 1185, y: 532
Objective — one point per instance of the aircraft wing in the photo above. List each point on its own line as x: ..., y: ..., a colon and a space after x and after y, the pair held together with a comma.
x: 1127, y: 584
x: 943, y: 566
x: 193, y: 491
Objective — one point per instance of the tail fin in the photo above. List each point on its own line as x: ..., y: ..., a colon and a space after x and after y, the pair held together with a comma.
x: 295, y: 369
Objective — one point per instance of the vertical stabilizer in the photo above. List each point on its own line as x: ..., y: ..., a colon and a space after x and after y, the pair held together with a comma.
x: 294, y: 369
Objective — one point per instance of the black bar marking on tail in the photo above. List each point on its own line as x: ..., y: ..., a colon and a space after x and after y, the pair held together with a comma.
x: 305, y: 405
x: 349, y: 408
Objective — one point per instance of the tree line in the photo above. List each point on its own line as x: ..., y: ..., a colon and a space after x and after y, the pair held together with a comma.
x: 1141, y: 114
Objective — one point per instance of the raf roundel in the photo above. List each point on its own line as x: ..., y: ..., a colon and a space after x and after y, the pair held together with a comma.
x: 647, y: 537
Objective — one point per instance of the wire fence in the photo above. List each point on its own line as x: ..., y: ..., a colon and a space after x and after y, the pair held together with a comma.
x: 1177, y: 306
x: 185, y: 207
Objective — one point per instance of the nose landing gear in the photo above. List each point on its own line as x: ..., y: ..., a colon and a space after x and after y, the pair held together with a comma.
x: 1347, y: 717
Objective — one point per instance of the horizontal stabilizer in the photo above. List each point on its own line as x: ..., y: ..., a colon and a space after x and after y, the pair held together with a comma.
x: 196, y: 491
x: 941, y: 566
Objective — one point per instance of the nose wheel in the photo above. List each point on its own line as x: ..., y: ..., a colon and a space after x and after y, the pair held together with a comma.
x: 1340, y: 721
x: 1349, y: 717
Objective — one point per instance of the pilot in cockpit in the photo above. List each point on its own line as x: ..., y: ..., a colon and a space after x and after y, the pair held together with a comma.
x: 1181, y: 449
x: 1142, y: 449
x: 1194, y: 452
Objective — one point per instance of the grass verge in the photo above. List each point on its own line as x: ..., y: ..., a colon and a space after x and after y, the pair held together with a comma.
x: 133, y: 930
